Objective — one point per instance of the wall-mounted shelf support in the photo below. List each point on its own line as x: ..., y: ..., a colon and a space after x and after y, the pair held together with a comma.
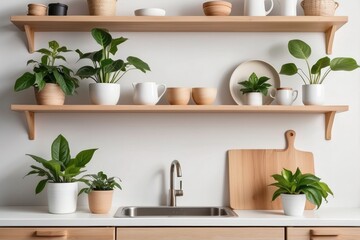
x: 31, y: 110
x: 328, y: 25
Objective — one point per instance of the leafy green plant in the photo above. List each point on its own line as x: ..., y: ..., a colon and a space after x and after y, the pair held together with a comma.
x: 255, y: 84
x: 46, y: 71
x: 298, y: 183
x: 302, y: 50
x: 105, y: 69
x: 99, y: 182
x: 61, y: 168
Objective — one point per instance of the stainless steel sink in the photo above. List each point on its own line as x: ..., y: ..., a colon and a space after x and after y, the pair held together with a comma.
x: 174, y: 212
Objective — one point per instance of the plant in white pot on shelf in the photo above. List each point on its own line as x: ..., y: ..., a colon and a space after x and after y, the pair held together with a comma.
x: 295, y: 188
x: 100, y: 190
x: 313, y: 92
x: 105, y: 71
x: 50, y: 81
x: 59, y: 174
x: 254, y: 88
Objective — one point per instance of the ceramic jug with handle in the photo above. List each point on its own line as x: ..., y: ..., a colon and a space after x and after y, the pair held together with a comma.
x: 147, y: 93
x: 256, y: 7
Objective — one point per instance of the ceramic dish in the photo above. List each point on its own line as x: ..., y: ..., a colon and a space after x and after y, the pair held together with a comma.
x: 242, y: 73
x: 150, y: 12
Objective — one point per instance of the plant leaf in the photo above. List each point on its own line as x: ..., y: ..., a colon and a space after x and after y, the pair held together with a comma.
x: 289, y: 69
x: 138, y: 63
x: 299, y: 49
x: 25, y: 81
x: 343, y: 64
x: 40, y: 186
x: 54, y: 45
x: 60, y: 150
x: 101, y: 36
x: 86, y: 72
x: 83, y: 157
x: 114, y: 43
x: 320, y: 64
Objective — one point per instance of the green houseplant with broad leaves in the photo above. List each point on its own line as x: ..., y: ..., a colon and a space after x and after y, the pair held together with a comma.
x: 46, y: 71
x: 60, y: 173
x: 100, y: 190
x: 314, y: 74
x: 307, y: 185
x: 105, y: 69
x: 254, y: 88
x: 313, y: 92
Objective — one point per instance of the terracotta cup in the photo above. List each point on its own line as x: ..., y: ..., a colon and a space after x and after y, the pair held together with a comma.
x: 204, y: 96
x: 35, y: 9
x: 178, y: 95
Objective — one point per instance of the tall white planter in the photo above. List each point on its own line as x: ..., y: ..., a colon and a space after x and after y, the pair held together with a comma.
x: 313, y: 94
x: 62, y: 197
x: 254, y: 98
x: 293, y: 205
x: 104, y: 93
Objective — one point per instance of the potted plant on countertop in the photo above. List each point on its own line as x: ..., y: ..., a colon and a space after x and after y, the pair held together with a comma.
x: 295, y: 188
x: 105, y: 71
x: 51, y: 82
x: 313, y: 92
x: 100, y: 191
x: 59, y: 174
x: 254, y: 88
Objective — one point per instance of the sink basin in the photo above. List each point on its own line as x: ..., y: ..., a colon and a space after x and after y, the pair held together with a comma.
x: 174, y: 212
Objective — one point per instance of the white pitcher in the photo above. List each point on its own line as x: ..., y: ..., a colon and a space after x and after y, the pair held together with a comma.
x: 256, y: 8
x: 288, y: 7
x: 147, y: 93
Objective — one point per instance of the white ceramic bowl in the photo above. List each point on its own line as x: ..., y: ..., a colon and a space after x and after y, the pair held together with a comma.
x: 150, y: 12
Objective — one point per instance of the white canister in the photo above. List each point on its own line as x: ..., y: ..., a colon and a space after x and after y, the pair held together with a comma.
x: 147, y: 93
x: 293, y: 204
x: 254, y: 98
x: 104, y: 93
x: 288, y: 7
x: 313, y: 94
x: 62, y: 197
x: 257, y: 7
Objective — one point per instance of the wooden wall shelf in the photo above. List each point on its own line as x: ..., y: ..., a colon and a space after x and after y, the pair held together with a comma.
x: 328, y: 25
x: 31, y: 110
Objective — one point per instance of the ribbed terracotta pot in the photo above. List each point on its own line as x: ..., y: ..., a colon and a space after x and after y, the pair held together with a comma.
x: 102, y: 7
x: 35, y: 9
x: 51, y: 94
x: 100, y: 201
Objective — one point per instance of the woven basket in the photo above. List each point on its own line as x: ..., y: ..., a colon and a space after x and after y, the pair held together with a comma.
x: 319, y: 7
x: 102, y: 7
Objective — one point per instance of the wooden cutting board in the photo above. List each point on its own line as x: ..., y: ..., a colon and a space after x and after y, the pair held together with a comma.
x: 250, y: 174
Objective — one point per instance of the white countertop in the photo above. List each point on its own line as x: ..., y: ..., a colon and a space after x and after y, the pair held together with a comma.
x: 38, y: 216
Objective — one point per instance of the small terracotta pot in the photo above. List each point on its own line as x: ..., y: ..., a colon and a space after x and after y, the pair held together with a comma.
x: 100, y: 201
x: 102, y: 7
x: 204, y: 96
x: 51, y: 94
x: 178, y: 95
x: 35, y: 9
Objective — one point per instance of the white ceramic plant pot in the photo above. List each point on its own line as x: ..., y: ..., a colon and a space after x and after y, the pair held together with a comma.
x: 254, y: 99
x: 62, y: 197
x: 293, y: 205
x: 104, y: 93
x: 313, y: 94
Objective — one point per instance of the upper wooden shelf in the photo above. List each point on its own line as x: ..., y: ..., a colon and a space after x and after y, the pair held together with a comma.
x: 328, y: 111
x: 327, y: 25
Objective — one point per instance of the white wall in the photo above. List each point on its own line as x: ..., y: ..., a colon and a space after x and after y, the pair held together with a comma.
x: 140, y: 147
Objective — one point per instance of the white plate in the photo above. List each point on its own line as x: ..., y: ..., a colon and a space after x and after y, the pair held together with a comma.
x: 150, y: 12
x: 243, y: 72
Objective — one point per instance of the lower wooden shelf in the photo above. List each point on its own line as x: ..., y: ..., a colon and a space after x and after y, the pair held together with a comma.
x: 31, y: 110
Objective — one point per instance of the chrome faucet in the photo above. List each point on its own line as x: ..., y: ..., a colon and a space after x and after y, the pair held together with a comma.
x: 175, y: 192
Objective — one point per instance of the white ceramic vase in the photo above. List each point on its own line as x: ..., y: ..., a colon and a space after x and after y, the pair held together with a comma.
x: 62, y: 197
x: 313, y: 94
x: 104, y: 93
x: 254, y: 99
x: 293, y: 205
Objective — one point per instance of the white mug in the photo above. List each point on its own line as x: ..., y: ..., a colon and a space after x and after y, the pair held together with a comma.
x: 256, y: 8
x: 147, y: 93
x: 284, y: 96
x: 288, y: 7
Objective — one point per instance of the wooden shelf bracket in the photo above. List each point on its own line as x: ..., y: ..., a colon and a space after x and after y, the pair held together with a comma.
x: 329, y: 39
x: 30, y: 37
x: 30, y: 120
x: 329, y: 122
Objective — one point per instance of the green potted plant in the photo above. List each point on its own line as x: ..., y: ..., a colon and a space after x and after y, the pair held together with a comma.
x: 313, y: 91
x: 51, y: 82
x: 254, y: 88
x: 105, y: 71
x: 295, y: 188
x: 100, y: 190
x: 59, y: 174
